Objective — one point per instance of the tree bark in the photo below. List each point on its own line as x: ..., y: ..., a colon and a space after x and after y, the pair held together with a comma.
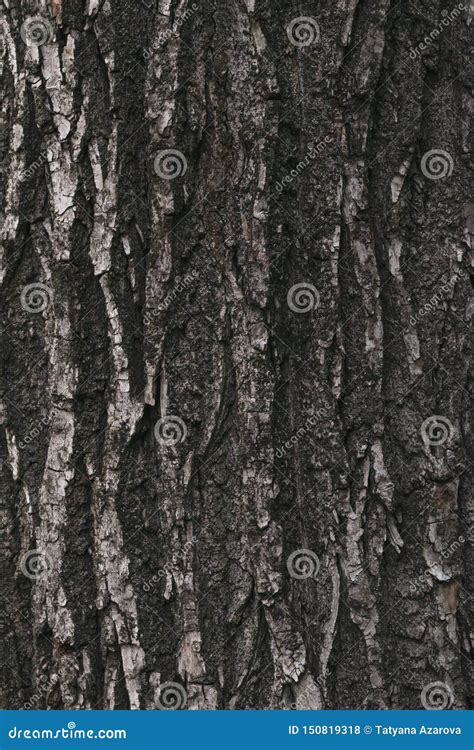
x: 235, y: 351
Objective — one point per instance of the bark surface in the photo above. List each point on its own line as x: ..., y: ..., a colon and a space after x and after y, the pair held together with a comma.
x: 235, y: 441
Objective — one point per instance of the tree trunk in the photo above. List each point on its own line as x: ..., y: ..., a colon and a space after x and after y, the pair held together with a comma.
x: 235, y: 352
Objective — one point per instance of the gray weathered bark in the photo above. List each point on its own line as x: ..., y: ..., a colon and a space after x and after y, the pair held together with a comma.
x: 235, y: 440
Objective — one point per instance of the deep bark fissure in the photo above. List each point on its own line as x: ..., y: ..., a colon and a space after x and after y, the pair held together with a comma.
x: 241, y: 370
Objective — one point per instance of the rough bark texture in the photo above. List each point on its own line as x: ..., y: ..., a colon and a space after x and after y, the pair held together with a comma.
x: 329, y: 420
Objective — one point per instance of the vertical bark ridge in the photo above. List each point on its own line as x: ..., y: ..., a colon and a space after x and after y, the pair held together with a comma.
x: 182, y: 178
